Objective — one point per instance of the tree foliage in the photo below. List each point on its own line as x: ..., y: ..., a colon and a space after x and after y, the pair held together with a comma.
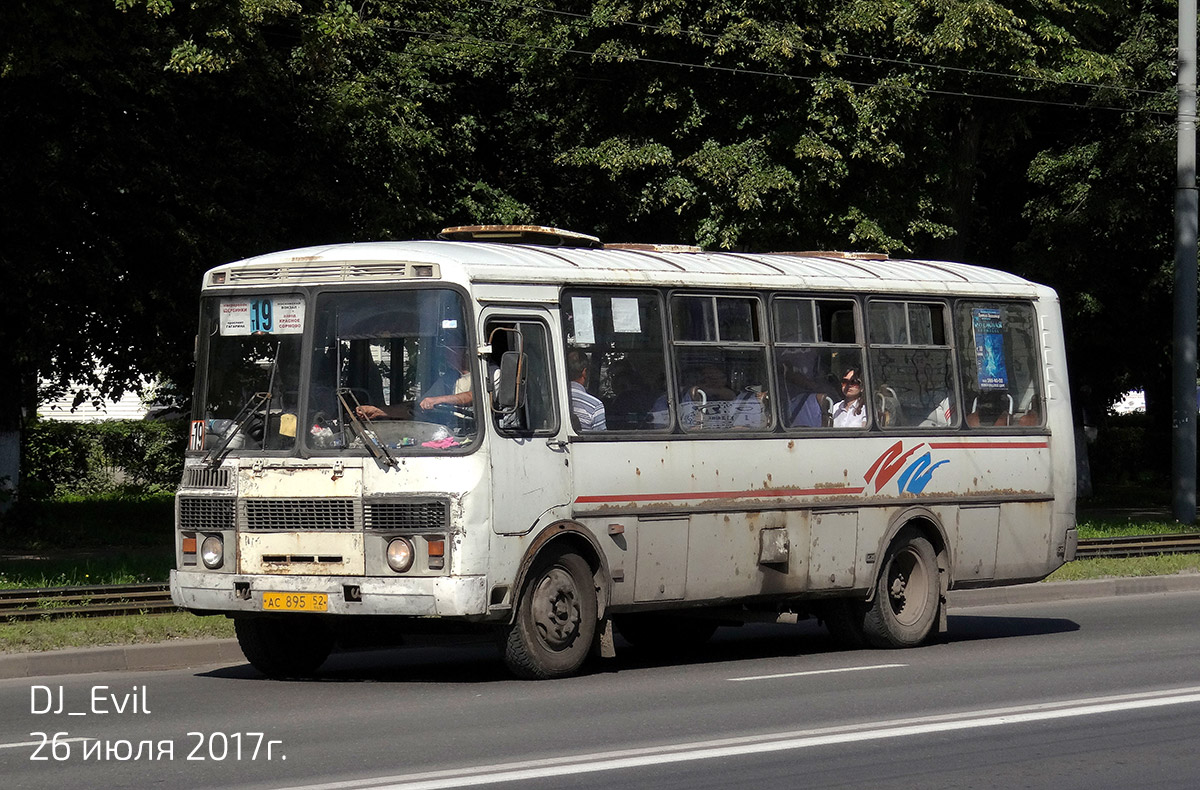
x: 150, y: 139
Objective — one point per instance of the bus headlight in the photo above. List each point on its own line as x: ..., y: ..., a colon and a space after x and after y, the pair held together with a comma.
x: 400, y: 555
x: 212, y: 552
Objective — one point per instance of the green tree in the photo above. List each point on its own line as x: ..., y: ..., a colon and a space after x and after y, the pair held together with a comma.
x: 150, y: 139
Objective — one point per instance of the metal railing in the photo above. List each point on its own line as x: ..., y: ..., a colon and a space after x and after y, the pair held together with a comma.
x: 90, y: 601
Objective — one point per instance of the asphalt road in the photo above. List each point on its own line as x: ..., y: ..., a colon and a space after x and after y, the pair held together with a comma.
x: 1085, y: 693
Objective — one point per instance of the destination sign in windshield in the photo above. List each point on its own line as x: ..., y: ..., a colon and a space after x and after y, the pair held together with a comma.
x: 271, y: 315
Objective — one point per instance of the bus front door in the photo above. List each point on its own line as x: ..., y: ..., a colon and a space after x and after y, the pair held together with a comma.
x: 531, y: 477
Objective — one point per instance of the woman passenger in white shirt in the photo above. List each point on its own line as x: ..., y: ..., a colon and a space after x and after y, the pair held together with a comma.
x: 851, y: 412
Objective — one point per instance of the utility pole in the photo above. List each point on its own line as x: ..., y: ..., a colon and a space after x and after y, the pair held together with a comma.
x: 1183, y: 439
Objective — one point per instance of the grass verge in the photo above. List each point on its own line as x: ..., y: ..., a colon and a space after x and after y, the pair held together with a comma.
x: 120, y: 566
x: 1105, y: 568
x: 40, y: 635
x: 1117, y: 528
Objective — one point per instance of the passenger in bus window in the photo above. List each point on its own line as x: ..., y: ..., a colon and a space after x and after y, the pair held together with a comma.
x: 587, y: 411
x: 802, y: 405
x: 851, y: 411
x: 452, y: 388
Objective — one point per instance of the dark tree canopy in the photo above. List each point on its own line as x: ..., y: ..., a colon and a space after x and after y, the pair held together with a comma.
x: 150, y: 139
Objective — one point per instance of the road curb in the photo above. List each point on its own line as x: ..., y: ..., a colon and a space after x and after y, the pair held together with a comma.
x: 1070, y: 591
x: 123, y: 658
x: 182, y: 654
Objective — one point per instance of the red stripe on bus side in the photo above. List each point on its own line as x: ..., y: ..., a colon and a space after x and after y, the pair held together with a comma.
x: 789, y: 492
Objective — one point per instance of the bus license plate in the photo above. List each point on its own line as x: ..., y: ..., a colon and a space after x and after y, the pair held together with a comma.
x: 295, y: 602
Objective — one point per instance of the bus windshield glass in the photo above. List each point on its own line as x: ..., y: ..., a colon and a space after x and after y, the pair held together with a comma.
x: 391, y: 368
x: 247, y: 395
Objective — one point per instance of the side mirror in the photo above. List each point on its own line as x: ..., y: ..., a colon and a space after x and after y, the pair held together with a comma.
x: 510, y: 392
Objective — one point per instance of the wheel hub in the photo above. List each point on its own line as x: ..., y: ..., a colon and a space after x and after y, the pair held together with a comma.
x: 556, y: 609
x: 907, y: 575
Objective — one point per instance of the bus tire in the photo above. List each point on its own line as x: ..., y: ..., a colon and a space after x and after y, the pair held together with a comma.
x: 556, y: 619
x: 294, y: 646
x: 662, y: 633
x: 907, y: 594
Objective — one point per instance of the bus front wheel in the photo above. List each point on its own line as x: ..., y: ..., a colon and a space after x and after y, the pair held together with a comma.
x: 907, y: 594
x: 293, y: 646
x: 556, y: 619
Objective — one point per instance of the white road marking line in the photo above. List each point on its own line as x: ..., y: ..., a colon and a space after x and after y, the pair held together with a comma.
x: 816, y: 672
x: 786, y: 741
x: 39, y: 743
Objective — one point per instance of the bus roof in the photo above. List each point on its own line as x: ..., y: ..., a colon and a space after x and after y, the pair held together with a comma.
x: 484, y: 262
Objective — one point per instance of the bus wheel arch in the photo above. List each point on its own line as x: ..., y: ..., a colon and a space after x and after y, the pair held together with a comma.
x: 927, y: 523
x: 562, y: 593
x: 564, y: 536
x: 907, y: 599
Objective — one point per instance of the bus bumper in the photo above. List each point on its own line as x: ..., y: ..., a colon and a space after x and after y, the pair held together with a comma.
x: 441, y: 596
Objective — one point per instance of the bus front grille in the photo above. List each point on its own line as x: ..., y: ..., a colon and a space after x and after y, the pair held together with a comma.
x: 407, y: 515
x: 297, y: 514
x: 202, y: 514
x: 203, y: 477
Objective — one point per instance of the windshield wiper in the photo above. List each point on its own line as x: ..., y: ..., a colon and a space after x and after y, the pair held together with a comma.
x: 251, y: 407
x: 369, y: 438
x: 256, y: 401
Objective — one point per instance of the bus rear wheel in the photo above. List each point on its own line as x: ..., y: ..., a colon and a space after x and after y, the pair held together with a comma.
x: 556, y: 619
x: 907, y: 594
x: 294, y: 646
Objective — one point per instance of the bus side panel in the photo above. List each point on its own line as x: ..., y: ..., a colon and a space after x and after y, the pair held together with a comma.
x: 726, y: 554
x: 1025, y: 535
x: 976, y: 540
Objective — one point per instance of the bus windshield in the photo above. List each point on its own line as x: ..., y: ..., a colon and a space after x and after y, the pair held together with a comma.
x: 248, y: 382
x: 391, y: 368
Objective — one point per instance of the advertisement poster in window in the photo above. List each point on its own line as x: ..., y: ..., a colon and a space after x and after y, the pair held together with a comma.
x: 991, y: 369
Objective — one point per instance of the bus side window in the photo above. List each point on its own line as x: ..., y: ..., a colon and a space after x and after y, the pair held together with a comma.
x: 1000, y: 364
x: 911, y: 364
x: 720, y: 353
x: 616, y: 338
x: 519, y: 373
x: 816, y: 343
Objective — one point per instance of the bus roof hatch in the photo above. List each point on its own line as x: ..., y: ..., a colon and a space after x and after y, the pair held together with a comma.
x: 521, y: 234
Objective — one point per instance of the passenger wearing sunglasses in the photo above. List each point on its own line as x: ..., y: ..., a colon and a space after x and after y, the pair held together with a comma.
x: 851, y: 412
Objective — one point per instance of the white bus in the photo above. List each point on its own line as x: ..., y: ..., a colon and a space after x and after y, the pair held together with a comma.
x: 521, y: 430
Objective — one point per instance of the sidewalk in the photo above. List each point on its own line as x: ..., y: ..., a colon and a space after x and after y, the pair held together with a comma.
x: 184, y: 654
